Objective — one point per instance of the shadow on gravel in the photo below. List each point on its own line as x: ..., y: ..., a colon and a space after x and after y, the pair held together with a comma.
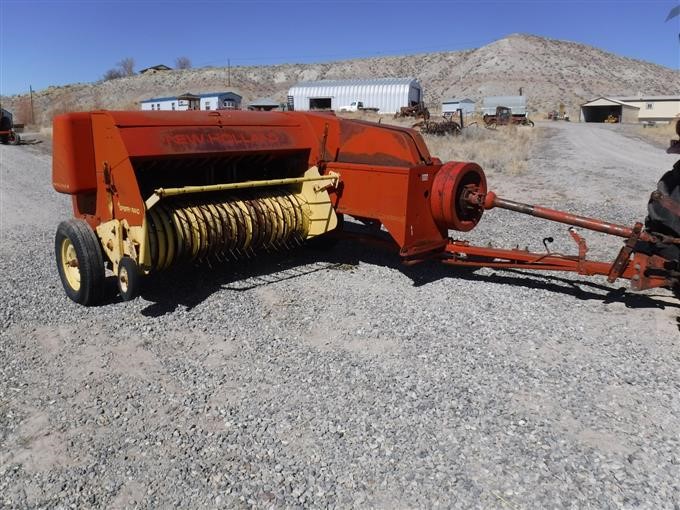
x: 574, y: 288
x: 189, y: 286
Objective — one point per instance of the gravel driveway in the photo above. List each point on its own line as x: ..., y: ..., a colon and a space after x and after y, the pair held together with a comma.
x: 342, y: 379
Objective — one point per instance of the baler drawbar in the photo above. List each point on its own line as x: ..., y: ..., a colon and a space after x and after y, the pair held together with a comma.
x: 154, y: 189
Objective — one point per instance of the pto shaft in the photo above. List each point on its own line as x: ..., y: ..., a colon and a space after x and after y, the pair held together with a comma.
x: 491, y: 200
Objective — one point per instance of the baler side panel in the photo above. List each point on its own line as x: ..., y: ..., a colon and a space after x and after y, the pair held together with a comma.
x: 119, y: 195
x: 396, y: 197
x: 73, y: 164
x: 211, y: 140
x: 353, y: 141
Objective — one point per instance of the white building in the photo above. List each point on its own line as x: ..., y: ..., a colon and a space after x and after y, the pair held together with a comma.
x: 661, y: 109
x: 209, y: 101
x: 386, y: 94
x: 452, y: 105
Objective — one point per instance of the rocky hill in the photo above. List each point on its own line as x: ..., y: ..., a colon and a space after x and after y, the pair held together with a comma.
x: 549, y: 71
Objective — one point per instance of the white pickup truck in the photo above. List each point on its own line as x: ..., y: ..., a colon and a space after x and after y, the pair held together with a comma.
x: 357, y: 106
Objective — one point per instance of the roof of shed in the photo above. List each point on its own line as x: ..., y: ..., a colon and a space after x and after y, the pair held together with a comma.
x: 264, y: 101
x: 646, y: 98
x: 607, y: 101
x: 159, y: 67
x: 454, y: 100
x: 372, y: 81
x: 188, y: 95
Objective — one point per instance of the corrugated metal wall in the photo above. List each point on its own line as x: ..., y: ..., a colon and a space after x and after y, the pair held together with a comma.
x: 388, y: 95
x: 468, y: 108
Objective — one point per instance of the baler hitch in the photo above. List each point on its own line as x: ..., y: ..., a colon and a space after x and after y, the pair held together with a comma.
x: 644, y: 271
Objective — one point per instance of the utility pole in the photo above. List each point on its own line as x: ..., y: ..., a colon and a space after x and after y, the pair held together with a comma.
x: 228, y: 72
x: 30, y: 88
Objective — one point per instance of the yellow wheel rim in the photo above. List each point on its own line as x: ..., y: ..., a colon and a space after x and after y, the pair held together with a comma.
x: 69, y: 264
x: 123, y: 279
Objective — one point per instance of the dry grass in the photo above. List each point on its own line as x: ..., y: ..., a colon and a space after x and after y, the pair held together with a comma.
x: 502, y: 150
x: 659, y: 135
x: 505, y: 149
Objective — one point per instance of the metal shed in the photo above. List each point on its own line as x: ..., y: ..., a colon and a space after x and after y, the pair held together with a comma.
x: 386, y: 94
x: 518, y: 104
x: 263, y: 104
x: 599, y: 109
x: 452, y: 105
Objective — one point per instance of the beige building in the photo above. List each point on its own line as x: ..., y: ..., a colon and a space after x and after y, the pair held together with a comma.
x: 631, y: 109
x: 654, y: 108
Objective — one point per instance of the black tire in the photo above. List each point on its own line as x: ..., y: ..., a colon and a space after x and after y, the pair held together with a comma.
x: 15, y: 139
x: 529, y: 123
x: 129, y: 279
x: 76, y: 243
x: 661, y: 220
x: 5, y: 125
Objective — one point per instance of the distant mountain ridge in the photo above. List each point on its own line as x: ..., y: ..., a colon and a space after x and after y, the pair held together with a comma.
x: 549, y: 71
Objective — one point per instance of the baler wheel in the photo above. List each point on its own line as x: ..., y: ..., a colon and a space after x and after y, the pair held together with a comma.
x: 129, y: 279
x: 80, y: 262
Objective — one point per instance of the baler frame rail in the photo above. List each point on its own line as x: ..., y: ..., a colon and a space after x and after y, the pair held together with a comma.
x: 161, y: 193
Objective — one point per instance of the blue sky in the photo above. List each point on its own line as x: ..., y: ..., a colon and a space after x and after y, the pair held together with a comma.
x: 56, y: 42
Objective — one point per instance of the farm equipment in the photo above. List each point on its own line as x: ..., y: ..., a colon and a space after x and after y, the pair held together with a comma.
x: 151, y: 190
x: 504, y: 117
x: 417, y: 110
x: 446, y: 126
x: 7, y: 133
x: 611, y: 119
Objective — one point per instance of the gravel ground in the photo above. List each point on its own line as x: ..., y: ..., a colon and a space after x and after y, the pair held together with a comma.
x: 343, y: 379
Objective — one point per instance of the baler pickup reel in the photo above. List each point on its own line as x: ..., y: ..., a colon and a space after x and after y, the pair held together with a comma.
x: 151, y: 190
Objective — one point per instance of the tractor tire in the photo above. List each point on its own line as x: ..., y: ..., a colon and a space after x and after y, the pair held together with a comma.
x: 129, y: 279
x: 80, y: 262
x: 662, y: 221
x: 5, y: 125
x: 529, y: 123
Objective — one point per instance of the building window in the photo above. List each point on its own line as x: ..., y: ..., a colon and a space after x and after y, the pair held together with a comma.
x: 207, y: 105
x: 153, y: 106
x: 158, y: 106
x: 650, y: 106
x: 173, y: 105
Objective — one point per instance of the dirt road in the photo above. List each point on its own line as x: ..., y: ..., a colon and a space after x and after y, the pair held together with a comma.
x: 345, y: 379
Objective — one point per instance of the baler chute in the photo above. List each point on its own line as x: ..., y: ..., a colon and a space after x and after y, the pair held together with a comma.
x: 153, y: 189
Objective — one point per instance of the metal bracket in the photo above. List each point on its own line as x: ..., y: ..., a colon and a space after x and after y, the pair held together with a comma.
x: 622, y: 258
x: 582, y: 249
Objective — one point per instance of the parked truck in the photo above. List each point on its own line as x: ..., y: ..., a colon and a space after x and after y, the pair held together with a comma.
x: 357, y: 106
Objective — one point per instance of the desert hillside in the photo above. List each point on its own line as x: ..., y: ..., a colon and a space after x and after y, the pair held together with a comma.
x: 550, y: 71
